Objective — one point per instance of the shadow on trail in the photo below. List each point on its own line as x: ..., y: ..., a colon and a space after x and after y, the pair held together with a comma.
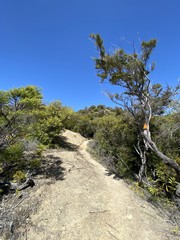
x: 62, y: 142
x: 51, y: 167
x: 110, y: 172
x: 12, y: 220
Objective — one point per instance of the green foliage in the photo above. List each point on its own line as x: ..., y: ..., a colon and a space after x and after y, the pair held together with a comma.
x: 46, y: 131
x: 154, y: 191
x: 85, y: 120
x: 24, y: 118
x: 35, y: 163
x: 19, y: 176
x: 25, y: 98
x: 84, y: 125
x: 50, y: 120
x: 130, y: 72
x: 16, y: 112
x: 166, y: 177
x: 40, y: 149
x: 12, y: 154
x: 123, y: 69
x: 115, y: 137
x: 166, y: 134
x: 137, y: 189
x: 146, y: 103
x: 175, y: 230
x: 164, y: 183
x: 114, y: 133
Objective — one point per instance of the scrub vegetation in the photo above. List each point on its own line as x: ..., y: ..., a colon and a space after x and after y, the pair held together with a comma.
x: 138, y: 140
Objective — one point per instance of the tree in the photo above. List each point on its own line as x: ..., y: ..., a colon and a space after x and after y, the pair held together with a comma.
x: 16, y: 116
x: 16, y: 108
x: 130, y: 72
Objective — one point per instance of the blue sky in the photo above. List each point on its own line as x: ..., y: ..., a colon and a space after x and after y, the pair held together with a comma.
x: 46, y: 43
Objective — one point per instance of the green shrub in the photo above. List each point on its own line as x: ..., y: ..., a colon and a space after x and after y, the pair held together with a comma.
x: 19, y: 176
x: 12, y: 154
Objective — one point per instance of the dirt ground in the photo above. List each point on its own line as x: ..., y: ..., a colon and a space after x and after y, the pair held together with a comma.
x: 87, y: 204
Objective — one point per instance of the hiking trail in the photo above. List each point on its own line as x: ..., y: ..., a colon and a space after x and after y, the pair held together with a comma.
x: 87, y: 204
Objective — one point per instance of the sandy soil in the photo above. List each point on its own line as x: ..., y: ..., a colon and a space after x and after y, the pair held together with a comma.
x: 87, y: 204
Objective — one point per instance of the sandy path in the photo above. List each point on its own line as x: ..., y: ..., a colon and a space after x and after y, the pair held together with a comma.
x: 89, y: 205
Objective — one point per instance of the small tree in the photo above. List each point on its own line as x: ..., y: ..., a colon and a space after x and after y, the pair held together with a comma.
x: 142, y: 99
x: 16, y: 108
x: 16, y: 115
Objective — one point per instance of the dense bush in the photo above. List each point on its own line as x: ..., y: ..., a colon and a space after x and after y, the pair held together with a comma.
x: 114, y: 136
x: 26, y: 127
x: 115, y: 139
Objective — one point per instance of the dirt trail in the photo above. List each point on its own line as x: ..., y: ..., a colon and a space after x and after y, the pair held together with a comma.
x: 89, y: 205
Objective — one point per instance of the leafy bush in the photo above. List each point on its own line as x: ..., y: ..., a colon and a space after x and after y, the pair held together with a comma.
x: 165, y: 180
x: 11, y: 155
x: 84, y: 126
x: 19, y: 176
x: 50, y: 120
x: 115, y: 137
x: 26, y: 127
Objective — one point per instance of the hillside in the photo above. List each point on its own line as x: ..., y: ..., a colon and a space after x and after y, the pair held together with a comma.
x: 84, y: 203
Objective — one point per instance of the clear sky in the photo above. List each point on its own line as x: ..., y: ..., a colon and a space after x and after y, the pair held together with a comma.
x: 46, y: 43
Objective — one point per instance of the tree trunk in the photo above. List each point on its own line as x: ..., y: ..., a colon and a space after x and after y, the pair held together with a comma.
x: 142, y: 155
x: 168, y: 161
x: 142, y: 170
